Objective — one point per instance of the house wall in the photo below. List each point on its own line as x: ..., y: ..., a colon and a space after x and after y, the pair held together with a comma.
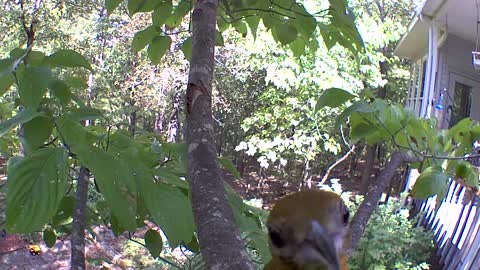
x: 455, y: 59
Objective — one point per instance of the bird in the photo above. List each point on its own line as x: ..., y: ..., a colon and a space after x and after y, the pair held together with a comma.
x: 309, y: 230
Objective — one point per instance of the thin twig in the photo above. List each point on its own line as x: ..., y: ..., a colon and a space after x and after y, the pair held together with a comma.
x: 325, y: 177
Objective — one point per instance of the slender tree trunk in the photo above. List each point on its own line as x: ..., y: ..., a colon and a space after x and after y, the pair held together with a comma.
x: 367, y: 170
x: 173, y: 124
x: 360, y: 220
x: 77, y: 260
x: 219, y: 237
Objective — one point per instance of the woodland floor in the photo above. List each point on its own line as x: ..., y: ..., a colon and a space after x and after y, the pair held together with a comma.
x: 111, y: 250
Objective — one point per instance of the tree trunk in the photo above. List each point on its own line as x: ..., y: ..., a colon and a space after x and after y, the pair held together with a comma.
x: 77, y: 260
x: 219, y: 237
x: 360, y: 220
x: 367, y: 170
x: 173, y: 124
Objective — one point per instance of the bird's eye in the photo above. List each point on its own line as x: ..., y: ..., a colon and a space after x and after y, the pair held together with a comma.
x: 276, y: 238
x: 346, y: 216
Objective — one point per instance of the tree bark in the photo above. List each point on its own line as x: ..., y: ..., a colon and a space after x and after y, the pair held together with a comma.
x: 219, y: 237
x: 367, y: 170
x: 77, y: 260
x: 360, y: 220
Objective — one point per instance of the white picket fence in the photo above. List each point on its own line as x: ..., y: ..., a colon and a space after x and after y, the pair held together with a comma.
x: 456, y: 225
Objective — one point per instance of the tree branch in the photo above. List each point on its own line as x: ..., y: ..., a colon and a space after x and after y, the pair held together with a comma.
x: 325, y: 177
x: 360, y: 220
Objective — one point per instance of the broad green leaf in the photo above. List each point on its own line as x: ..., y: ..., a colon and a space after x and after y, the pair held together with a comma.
x: 162, y: 12
x: 32, y: 86
x: 71, y: 132
x: 36, y: 132
x: 64, y: 213
x: 269, y: 19
x: 111, y: 5
x: 144, y: 37
x: 60, y: 90
x: 6, y: 75
x: 23, y: 116
x: 166, y: 175
x: 35, y: 58
x: 219, y: 39
x: 115, y: 182
x: 193, y: 245
x: 361, y: 130
x: 183, y: 7
x: 187, y: 48
x: 36, y: 185
x: 170, y: 209
x: 431, y: 181
x: 359, y: 106
x: 328, y: 39
x: 285, y: 32
x: 228, y: 165
x: 49, y: 237
x: 135, y: 6
x: 304, y: 21
x: 333, y: 98
x: 158, y: 47
x: 464, y: 173
x: 253, y: 22
x: 222, y: 25
x: 241, y: 27
x: 298, y: 47
x: 81, y: 114
x: 154, y: 243
x: 67, y: 58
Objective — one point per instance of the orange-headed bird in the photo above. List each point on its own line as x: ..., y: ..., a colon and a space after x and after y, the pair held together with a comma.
x: 309, y: 230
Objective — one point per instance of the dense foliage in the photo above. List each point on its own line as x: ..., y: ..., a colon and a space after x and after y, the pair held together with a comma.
x: 97, y: 84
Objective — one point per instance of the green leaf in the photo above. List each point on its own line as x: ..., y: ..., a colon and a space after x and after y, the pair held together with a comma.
x: 219, y: 39
x: 286, y: 33
x: 144, y: 37
x: 162, y: 12
x: 228, y: 165
x: 67, y: 58
x: 359, y: 106
x: 166, y: 175
x: 158, y: 47
x: 71, y: 132
x: 61, y: 91
x: 49, y: 237
x: 111, y: 5
x: 431, y: 181
x: 36, y: 132
x: 304, y: 21
x: 187, y: 48
x: 36, y: 185
x: 154, y: 243
x: 361, y: 130
x: 241, y: 27
x: 82, y: 114
x: 298, y: 47
x: 171, y: 210
x: 32, y: 86
x: 6, y: 75
x: 333, y: 98
x: 23, y: 116
x: 253, y: 22
x: 135, y: 6
x: 64, y: 213
x: 182, y: 9
x: 114, y: 180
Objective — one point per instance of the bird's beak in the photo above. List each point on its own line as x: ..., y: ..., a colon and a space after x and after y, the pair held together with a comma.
x: 320, y: 247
